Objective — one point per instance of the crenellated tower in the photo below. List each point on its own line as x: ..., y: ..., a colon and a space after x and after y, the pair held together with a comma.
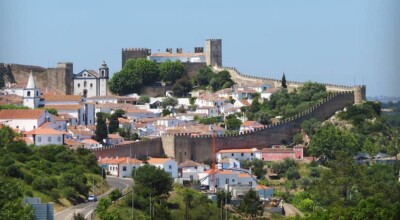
x: 360, y: 94
x: 214, y: 52
x: 134, y: 53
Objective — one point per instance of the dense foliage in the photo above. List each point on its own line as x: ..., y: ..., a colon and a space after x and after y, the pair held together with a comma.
x: 170, y: 71
x: 285, y: 104
x: 134, y: 74
x: 50, y: 171
x: 207, y: 79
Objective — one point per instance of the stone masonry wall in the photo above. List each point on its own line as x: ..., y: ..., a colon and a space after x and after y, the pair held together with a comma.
x: 200, y: 148
x: 140, y: 149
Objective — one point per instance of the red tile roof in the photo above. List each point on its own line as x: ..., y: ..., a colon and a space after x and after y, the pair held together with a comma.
x: 45, y: 131
x: 64, y: 107
x: 21, y: 113
x: 277, y: 150
x: 158, y: 160
x: 251, y: 150
x: 119, y: 160
x: 76, y: 98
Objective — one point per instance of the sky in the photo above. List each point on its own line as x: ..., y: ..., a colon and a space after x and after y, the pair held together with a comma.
x: 339, y: 42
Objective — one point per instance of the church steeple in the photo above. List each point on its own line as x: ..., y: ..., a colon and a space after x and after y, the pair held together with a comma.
x: 31, y: 82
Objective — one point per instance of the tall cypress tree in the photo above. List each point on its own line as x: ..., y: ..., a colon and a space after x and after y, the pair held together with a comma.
x: 284, y: 85
x: 101, y: 128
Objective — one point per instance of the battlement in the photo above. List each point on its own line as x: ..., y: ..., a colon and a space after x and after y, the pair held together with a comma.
x: 214, y: 40
x: 137, y: 49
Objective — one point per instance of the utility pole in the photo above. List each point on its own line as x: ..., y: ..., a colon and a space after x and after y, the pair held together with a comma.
x: 150, y: 206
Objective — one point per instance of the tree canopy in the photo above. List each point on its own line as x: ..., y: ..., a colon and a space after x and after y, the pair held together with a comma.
x: 170, y: 71
x: 135, y: 74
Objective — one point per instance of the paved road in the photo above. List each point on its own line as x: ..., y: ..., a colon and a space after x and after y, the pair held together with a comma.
x: 87, y: 208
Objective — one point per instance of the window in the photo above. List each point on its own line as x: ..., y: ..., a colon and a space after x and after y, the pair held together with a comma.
x: 232, y: 154
x: 226, y: 181
x: 124, y: 168
x: 91, y: 85
x: 79, y: 85
x: 242, y: 154
x: 251, y: 154
x: 59, y: 139
x: 28, y: 93
x: 84, y: 84
x: 170, y: 167
x: 48, y: 139
x: 233, y: 180
x: 217, y: 184
x: 39, y: 139
x: 250, y: 183
x: 37, y: 93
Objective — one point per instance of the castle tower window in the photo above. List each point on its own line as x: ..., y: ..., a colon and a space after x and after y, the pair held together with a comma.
x: 37, y: 93
x: 28, y: 93
x: 84, y: 84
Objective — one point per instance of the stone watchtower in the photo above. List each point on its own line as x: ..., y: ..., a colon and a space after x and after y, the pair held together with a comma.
x: 134, y: 53
x: 359, y: 94
x: 214, y: 52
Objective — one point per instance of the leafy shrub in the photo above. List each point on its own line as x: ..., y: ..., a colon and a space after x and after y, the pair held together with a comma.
x: 44, y: 184
x: 292, y: 173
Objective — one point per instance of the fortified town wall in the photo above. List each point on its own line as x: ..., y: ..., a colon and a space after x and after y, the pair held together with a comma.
x: 184, y: 146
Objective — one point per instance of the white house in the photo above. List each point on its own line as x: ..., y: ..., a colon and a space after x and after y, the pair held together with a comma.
x: 103, y: 99
x: 114, y: 139
x: 243, y: 93
x: 226, y: 178
x: 241, y: 102
x: 89, y: 83
x: 169, y: 121
x: 120, y: 166
x: 136, y: 114
x: 45, y: 136
x: 169, y: 165
x: 267, y: 93
x: 210, y: 100
x: 24, y: 119
x: 189, y: 170
x: 250, y: 126
x: 210, y: 111
x: 90, y: 144
x: 84, y: 112
x: 239, y: 154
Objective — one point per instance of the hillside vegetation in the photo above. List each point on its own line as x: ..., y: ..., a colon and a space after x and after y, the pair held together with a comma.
x: 54, y: 173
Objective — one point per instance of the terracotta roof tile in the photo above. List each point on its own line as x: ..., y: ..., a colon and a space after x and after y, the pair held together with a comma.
x: 64, y: 107
x: 76, y: 98
x: 21, y: 113
x: 114, y: 136
x: 251, y: 150
x: 44, y: 131
x: 277, y: 150
x: 158, y: 160
x: 119, y: 160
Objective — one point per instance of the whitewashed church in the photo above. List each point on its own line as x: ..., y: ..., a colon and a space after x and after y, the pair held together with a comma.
x: 89, y: 83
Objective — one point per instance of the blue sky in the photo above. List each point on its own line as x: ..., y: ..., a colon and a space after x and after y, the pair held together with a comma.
x: 340, y: 42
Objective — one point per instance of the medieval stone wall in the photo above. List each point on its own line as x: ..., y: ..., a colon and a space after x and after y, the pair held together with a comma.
x: 140, y: 149
x: 57, y: 79
x: 184, y: 146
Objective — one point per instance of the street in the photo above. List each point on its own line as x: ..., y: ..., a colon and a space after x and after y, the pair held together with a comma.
x: 87, y: 208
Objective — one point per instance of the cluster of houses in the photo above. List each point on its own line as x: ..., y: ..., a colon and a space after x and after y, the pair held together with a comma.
x: 75, y: 123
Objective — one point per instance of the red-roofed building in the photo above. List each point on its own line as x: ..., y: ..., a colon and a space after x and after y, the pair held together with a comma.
x: 120, y: 166
x: 250, y: 126
x: 24, y: 119
x: 169, y: 165
x: 276, y: 154
x: 45, y: 136
x: 239, y: 154
x: 114, y: 139
x: 90, y: 144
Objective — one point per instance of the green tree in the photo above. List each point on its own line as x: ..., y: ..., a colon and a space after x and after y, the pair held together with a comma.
x: 223, y: 198
x: 171, y: 71
x: 78, y: 216
x: 144, y: 99
x: 101, y: 127
x: 165, y: 112
x: 251, y: 204
x: 283, y: 82
x: 328, y: 140
x: 221, y: 80
x: 135, y: 74
x: 182, y: 87
x: 102, y: 207
x: 115, y: 194
x: 232, y: 123
x: 203, y: 77
x: 52, y: 111
x: 170, y: 101
x: 113, y: 124
x: 7, y: 135
x: 11, y: 206
x: 152, y: 180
